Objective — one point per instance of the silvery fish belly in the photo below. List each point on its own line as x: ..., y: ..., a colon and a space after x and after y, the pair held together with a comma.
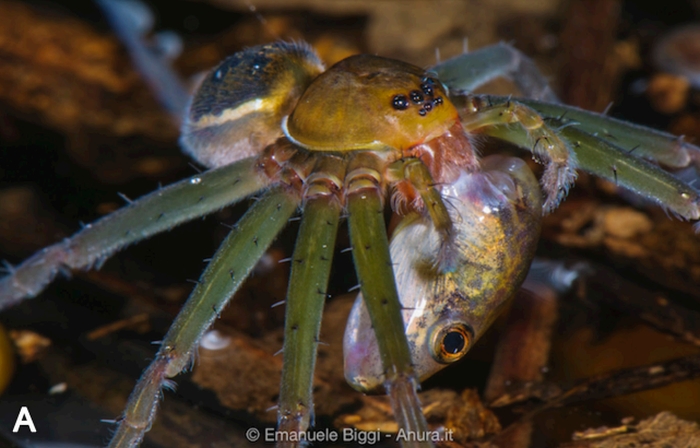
x: 496, y: 214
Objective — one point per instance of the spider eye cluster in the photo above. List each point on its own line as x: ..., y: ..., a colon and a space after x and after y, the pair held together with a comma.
x: 425, y: 98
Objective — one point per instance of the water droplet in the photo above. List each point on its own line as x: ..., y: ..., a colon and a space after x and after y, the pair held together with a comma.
x: 58, y: 389
x: 195, y: 181
x: 214, y: 340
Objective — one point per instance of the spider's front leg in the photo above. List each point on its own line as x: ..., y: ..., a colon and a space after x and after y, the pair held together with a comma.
x: 618, y: 151
x: 667, y: 149
x: 546, y: 145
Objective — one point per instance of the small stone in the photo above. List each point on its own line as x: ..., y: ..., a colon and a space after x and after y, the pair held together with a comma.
x: 625, y: 222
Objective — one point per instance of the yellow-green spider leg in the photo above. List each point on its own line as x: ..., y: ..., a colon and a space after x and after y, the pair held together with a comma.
x: 605, y: 160
x: 311, y: 265
x: 225, y: 273
x: 668, y: 149
x: 479, y: 114
x: 154, y: 213
x: 469, y: 71
x: 370, y: 249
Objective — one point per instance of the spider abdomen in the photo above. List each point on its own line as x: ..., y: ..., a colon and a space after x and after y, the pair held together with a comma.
x: 237, y: 110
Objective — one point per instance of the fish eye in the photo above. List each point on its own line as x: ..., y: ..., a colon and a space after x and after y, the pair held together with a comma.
x: 451, y: 342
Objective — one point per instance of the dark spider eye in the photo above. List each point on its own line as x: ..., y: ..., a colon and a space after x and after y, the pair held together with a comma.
x: 400, y: 102
x: 451, y: 342
x: 427, y: 89
x: 416, y: 97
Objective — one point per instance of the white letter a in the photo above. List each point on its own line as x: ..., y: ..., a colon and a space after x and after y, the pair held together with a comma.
x: 24, y: 419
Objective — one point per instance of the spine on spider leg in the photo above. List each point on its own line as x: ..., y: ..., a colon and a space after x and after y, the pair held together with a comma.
x: 149, y: 215
x: 229, y: 267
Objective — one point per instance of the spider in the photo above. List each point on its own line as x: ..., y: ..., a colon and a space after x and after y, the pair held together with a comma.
x: 367, y: 133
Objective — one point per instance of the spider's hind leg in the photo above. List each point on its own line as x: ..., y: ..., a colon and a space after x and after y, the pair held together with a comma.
x: 230, y: 266
x: 154, y: 213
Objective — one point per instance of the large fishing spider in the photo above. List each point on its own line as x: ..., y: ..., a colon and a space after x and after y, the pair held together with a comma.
x: 366, y: 132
